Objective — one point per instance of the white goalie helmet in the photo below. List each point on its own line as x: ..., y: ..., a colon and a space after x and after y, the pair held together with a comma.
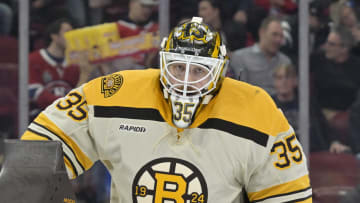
x: 193, y: 61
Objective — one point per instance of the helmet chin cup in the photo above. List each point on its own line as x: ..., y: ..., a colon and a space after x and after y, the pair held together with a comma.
x: 183, y: 110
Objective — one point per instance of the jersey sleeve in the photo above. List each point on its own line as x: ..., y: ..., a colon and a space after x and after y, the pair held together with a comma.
x: 282, y: 175
x: 66, y: 120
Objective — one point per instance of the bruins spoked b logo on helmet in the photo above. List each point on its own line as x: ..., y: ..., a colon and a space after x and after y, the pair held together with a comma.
x: 170, y: 179
x: 193, y: 61
x: 195, y: 39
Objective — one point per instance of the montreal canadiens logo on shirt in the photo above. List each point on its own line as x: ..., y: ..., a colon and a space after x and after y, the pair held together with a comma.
x: 168, y: 180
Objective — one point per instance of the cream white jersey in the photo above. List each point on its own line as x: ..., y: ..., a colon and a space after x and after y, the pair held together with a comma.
x: 239, y: 144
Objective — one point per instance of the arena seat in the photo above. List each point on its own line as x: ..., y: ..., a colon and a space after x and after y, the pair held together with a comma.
x: 332, y: 176
x: 8, y: 50
x: 34, y: 172
x: 9, y: 98
x: 8, y: 78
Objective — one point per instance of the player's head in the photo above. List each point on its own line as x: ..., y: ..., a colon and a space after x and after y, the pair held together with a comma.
x: 192, y: 61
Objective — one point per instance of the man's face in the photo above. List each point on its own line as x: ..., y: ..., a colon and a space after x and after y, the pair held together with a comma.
x: 207, y: 12
x: 284, y: 82
x: 140, y: 12
x: 60, y: 38
x: 196, y: 73
x: 271, y: 38
x: 333, y: 46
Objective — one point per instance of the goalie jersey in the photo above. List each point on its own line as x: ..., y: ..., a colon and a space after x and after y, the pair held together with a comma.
x: 239, y: 143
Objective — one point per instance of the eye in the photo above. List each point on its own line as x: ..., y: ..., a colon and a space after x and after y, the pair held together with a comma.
x: 179, y: 67
x: 199, y: 71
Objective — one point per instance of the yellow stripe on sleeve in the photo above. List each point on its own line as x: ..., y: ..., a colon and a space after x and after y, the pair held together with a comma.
x: 28, y: 135
x: 32, y: 136
x: 292, y: 186
x: 83, y: 159
x: 68, y: 165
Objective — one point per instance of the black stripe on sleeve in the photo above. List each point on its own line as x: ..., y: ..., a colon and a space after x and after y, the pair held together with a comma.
x: 127, y: 112
x: 285, y: 194
x: 43, y: 135
x: 237, y: 130
x: 72, y: 165
x: 38, y: 124
x: 39, y: 134
x: 299, y: 200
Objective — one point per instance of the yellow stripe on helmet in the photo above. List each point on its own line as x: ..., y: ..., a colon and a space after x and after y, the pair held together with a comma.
x: 168, y: 43
x: 216, y: 51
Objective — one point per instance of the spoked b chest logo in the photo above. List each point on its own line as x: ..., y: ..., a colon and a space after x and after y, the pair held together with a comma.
x: 169, y: 180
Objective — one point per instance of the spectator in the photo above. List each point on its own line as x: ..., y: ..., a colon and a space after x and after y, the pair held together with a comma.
x: 86, y: 12
x: 138, y: 21
x: 179, y: 12
x: 235, y: 33
x: 45, y: 12
x: 210, y: 11
x: 49, y: 76
x: 335, y: 74
x: 343, y: 14
x: 242, y: 10
x: 285, y: 96
x: 6, y: 17
x: 319, y: 25
x: 319, y: 28
x: 278, y: 7
x: 256, y: 64
x: 255, y: 16
x: 322, y: 137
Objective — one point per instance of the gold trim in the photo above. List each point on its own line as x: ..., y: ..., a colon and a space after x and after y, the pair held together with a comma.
x: 298, y: 184
x: 83, y: 159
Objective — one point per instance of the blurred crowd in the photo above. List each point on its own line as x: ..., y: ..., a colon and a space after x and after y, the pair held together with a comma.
x: 262, y: 39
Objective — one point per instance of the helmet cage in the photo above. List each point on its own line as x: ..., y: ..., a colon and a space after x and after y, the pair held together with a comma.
x: 183, y: 87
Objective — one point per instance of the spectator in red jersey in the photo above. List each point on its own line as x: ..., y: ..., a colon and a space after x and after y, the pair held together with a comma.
x: 49, y: 75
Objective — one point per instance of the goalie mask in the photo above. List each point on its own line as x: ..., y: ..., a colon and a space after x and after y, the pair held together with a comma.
x: 192, y: 62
